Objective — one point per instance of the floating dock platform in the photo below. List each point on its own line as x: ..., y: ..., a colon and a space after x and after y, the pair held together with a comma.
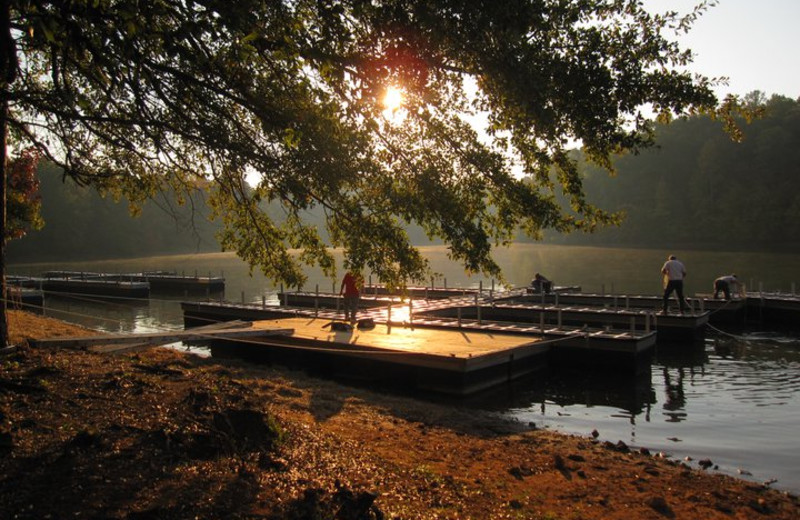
x: 719, y: 311
x: 421, y: 358
x: 166, y: 281
x: 97, y: 287
x: 678, y: 327
x: 625, y: 351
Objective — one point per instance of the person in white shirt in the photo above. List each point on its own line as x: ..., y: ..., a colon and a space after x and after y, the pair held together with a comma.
x: 726, y: 285
x: 674, y: 272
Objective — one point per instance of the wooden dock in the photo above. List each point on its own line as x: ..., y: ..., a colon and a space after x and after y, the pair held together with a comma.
x: 160, y: 281
x: 107, y: 343
x: 625, y: 351
x: 679, y: 327
x: 97, y: 287
x: 437, y: 360
x: 719, y: 311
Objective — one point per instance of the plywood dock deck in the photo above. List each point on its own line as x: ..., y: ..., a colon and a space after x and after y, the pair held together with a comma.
x: 459, y: 346
x: 456, y: 362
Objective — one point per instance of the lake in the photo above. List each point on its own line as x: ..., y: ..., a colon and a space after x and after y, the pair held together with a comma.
x: 735, y: 399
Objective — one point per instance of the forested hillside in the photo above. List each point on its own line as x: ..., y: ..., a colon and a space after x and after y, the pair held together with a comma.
x: 698, y: 188
x: 80, y: 224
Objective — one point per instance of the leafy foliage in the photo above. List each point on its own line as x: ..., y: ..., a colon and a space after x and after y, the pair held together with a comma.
x: 23, y: 203
x: 138, y: 97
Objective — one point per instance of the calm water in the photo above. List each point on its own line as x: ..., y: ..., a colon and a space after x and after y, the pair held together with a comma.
x: 734, y: 399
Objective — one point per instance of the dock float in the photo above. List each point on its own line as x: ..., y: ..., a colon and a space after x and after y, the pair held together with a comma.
x: 96, y: 287
x: 624, y: 351
x: 442, y: 361
x: 166, y: 281
x: 678, y: 327
x: 719, y: 311
x: 331, y: 300
x: 107, y: 343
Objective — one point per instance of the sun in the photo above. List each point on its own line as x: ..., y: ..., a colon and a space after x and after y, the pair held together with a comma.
x: 392, y: 100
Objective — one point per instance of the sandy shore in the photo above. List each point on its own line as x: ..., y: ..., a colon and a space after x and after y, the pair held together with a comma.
x: 161, y: 434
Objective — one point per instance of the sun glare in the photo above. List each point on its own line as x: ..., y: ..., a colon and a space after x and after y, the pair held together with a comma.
x: 392, y: 101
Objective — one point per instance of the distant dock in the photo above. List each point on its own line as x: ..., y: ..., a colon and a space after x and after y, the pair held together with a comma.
x: 125, y: 285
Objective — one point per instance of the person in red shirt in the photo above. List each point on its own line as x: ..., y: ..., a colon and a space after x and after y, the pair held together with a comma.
x: 351, y: 294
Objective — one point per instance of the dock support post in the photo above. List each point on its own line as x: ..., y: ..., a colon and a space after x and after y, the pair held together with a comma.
x: 410, y: 310
x: 316, y: 307
x: 615, y: 301
x: 445, y: 283
x: 459, y: 317
x: 426, y: 293
x: 647, y: 321
x: 541, y: 322
x: 433, y: 283
x: 263, y: 301
x: 559, y: 319
x: 492, y: 284
x: 389, y: 318
x: 242, y: 297
x: 480, y: 287
x: 478, y: 309
x: 633, y: 324
x: 555, y: 297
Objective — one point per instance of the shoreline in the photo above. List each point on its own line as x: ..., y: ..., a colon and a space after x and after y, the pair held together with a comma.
x: 157, y: 434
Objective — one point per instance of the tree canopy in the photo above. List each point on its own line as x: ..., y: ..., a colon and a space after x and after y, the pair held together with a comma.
x: 136, y: 97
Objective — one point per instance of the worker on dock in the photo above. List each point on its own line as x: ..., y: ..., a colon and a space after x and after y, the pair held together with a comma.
x: 674, y: 272
x: 350, y: 291
x: 727, y: 284
x: 541, y: 284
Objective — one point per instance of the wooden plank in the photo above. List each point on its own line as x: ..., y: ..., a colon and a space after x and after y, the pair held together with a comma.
x: 157, y: 338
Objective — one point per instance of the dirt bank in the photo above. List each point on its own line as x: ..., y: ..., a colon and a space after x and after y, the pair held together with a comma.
x: 160, y: 434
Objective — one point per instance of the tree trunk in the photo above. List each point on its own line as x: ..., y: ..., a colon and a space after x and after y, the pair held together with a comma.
x: 8, y: 73
x: 3, y: 185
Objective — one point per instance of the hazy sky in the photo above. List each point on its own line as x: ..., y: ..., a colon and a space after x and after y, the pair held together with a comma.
x: 752, y: 42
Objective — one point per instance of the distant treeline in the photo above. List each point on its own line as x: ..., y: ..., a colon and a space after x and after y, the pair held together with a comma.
x: 696, y: 189
x: 81, y: 225
x: 700, y: 189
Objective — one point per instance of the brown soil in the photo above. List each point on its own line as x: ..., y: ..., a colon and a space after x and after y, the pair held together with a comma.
x: 161, y: 434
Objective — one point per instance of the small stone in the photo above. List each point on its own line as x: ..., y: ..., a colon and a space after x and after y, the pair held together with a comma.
x: 595, y: 434
x: 705, y: 463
